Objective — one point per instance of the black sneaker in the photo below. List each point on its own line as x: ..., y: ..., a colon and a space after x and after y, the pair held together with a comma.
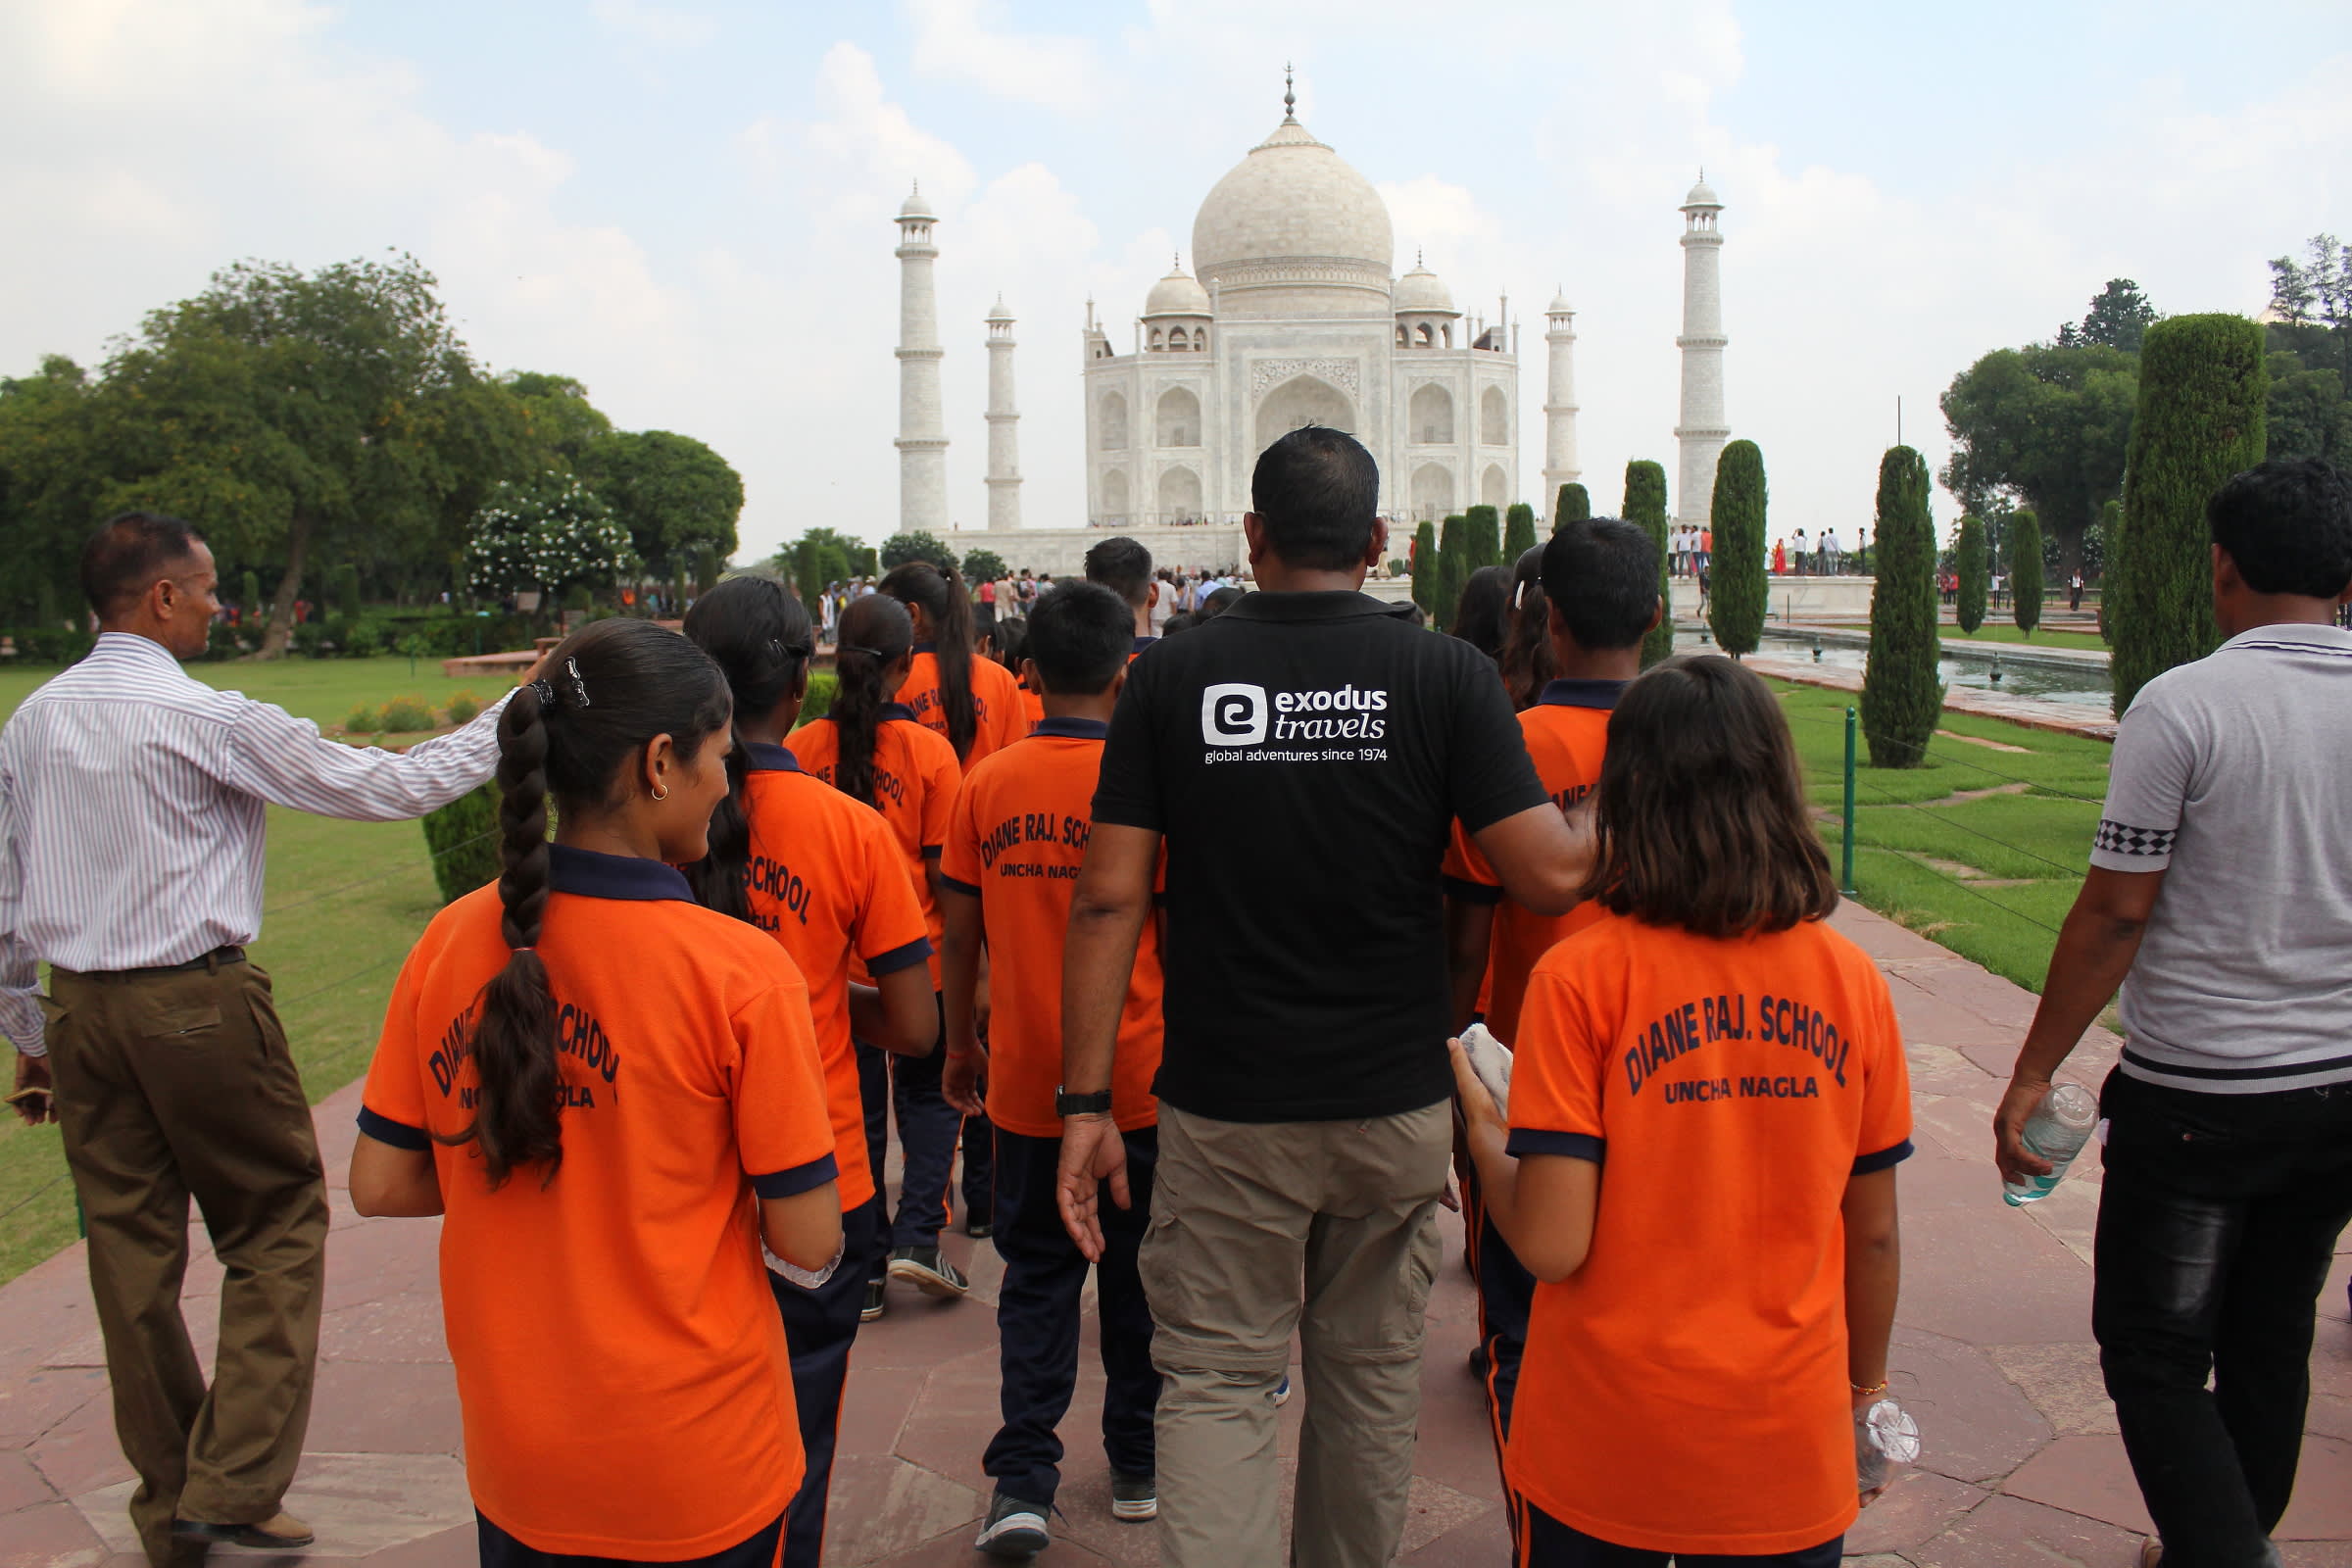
x: 875, y: 1304
x: 924, y: 1268
x: 1134, y: 1498
x: 1014, y: 1530
x: 979, y: 1230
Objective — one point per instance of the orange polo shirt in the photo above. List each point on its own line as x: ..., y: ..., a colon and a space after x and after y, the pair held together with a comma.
x: 1686, y: 1388
x: 996, y: 702
x: 621, y: 1367
x: 828, y: 881
x: 1019, y: 831
x: 915, y: 774
x: 1566, y: 731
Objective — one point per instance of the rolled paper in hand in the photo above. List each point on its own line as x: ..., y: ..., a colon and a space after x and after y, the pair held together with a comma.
x: 1491, y: 1060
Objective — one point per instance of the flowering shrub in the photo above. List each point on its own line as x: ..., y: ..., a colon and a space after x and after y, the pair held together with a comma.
x: 547, y: 533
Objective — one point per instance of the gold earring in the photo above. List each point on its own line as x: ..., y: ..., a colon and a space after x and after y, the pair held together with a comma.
x: 661, y: 794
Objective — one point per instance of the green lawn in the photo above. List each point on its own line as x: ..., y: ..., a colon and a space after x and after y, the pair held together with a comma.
x: 344, y: 902
x: 1989, y: 877
x: 2004, y: 630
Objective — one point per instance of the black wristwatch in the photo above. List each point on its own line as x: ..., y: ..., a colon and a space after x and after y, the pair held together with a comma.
x: 1066, y: 1103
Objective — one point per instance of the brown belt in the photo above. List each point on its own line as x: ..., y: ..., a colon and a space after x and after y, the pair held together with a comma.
x: 214, y: 959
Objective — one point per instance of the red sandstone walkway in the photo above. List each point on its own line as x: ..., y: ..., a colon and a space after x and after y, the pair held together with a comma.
x: 2022, y: 1466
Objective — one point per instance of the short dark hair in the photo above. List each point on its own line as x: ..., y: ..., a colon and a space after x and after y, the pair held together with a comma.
x: 1124, y: 566
x: 1701, y: 811
x: 1182, y: 620
x: 1219, y: 601
x: 1484, y: 608
x: 1317, y: 493
x: 1081, y: 635
x: 2288, y: 523
x: 127, y: 554
x: 1601, y: 573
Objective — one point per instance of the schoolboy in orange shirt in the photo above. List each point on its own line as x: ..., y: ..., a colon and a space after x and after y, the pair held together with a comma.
x: 869, y: 746
x: 1715, y: 1308
x: 1022, y: 823
x: 1600, y: 586
x: 820, y: 873
x: 614, y: 1097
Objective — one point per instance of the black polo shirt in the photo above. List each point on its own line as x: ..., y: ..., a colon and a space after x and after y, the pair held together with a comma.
x: 1305, y: 756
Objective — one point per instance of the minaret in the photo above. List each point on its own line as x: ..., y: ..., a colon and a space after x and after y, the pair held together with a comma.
x: 1703, y: 429
x: 1003, y: 434
x: 922, y: 430
x: 1560, y: 465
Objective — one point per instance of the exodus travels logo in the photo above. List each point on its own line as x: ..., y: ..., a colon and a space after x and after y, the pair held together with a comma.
x: 1239, y: 713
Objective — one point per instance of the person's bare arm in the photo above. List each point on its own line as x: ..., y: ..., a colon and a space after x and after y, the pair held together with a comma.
x: 1469, y: 937
x: 1541, y: 856
x: 1874, y: 1273
x: 959, y: 984
x: 2097, y: 945
x: 393, y: 1183
x: 1108, y: 911
x: 805, y: 1229
x: 897, y: 1012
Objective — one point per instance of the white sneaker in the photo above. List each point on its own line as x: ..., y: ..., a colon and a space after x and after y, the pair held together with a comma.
x: 1014, y: 1530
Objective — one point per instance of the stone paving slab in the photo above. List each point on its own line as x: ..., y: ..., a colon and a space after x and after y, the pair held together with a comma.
x: 1992, y: 1354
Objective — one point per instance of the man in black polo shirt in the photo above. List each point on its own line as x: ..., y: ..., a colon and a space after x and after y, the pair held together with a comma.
x: 1305, y: 755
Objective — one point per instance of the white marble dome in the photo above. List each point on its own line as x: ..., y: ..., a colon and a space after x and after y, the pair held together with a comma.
x: 916, y: 206
x: 1421, y: 292
x: 1289, y: 223
x: 1176, y: 294
x: 1701, y: 194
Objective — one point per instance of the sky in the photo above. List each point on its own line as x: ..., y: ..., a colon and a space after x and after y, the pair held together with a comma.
x: 687, y: 206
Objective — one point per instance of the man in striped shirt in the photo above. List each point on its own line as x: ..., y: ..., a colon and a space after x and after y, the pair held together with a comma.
x: 132, y: 808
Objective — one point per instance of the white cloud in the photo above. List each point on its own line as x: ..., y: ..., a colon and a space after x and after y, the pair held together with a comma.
x: 952, y: 39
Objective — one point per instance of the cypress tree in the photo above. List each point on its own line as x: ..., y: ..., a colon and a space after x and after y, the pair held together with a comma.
x: 1973, y: 574
x: 1518, y: 531
x: 1646, y: 505
x: 1575, y: 505
x: 1453, y: 570
x: 2025, y: 571
x: 1483, y: 527
x: 250, y: 587
x: 1901, y: 693
x: 1736, y: 594
x: 347, y: 589
x: 2203, y: 390
x: 1425, y: 568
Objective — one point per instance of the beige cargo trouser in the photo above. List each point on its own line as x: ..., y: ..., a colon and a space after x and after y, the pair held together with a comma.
x: 1258, y: 1229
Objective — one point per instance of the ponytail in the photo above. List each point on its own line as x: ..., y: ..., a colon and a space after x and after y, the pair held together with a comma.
x: 939, y: 590
x: 760, y: 637
x: 876, y: 632
x: 516, y: 1119
x: 1526, y: 657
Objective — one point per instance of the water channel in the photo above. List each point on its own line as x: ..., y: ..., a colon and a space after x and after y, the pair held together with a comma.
x: 2085, y: 685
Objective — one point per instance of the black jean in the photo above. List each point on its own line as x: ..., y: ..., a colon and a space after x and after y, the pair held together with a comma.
x: 2217, y: 1223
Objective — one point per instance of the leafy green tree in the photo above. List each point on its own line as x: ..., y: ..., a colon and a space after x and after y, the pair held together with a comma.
x: 1736, y: 597
x: 346, y: 581
x: 1482, y: 527
x: 47, y: 470
x: 1974, y: 574
x: 557, y: 412
x: 983, y: 565
x: 1902, y: 694
x: 679, y: 499
x: 2313, y: 300
x: 2025, y: 571
x: 1646, y: 503
x: 1453, y: 569
x: 548, y: 533
x: 2118, y: 318
x: 1574, y: 504
x: 2309, y: 415
x: 2042, y: 425
x: 1518, y: 531
x: 1426, y: 572
x: 900, y: 548
x: 2203, y: 393
x: 249, y: 595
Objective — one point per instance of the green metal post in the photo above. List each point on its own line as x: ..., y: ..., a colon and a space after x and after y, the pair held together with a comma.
x: 1847, y: 884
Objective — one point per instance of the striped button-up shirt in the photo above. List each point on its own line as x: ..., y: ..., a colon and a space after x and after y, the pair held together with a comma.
x: 132, y: 812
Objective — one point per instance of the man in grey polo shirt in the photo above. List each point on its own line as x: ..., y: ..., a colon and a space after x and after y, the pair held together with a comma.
x: 2220, y: 896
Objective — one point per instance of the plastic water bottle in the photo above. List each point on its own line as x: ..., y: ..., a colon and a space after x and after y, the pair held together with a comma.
x: 2056, y: 1131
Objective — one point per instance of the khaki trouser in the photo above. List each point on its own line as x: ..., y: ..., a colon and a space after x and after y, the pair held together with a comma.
x: 1257, y: 1229
x: 172, y: 1085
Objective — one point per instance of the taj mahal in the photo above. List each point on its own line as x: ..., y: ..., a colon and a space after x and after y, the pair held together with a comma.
x: 1292, y: 314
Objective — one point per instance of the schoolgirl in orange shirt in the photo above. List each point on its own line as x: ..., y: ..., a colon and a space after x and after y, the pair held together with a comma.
x: 974, y: 702
x: 1708, y: 1105
x: 614, y: 1096
x: 823, y: 875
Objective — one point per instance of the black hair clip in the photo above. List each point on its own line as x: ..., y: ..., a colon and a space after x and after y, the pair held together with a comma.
x: 547, y: 694
x: 579, y: 687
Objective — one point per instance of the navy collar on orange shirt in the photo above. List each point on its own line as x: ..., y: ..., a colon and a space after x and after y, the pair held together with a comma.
x: 925, y: 647
x: 1575, y: 692
x: 593, y: 875
x: 762, y: 756
x: 1075, y: 729
x: 891, y: 710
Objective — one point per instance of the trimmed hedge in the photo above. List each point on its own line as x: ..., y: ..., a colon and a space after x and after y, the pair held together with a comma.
x: 1736, y: 599
x: 1902, y: 693
x: 2203, y: 399
x: 1646, y: 503
x: 2025, y: 571
x: 1426, y: 570
x: 1574, y: 504
x: 1518, y: 532
x: 1453, y: 570
x: 463, y: 837
x: 1973, y: 573
x: 1481, y: 527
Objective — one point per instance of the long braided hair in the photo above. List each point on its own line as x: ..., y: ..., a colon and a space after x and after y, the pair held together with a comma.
x: 876, y: 632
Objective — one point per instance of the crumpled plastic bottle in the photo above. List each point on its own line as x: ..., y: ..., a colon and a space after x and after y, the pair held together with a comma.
x: 1885, y: 1436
